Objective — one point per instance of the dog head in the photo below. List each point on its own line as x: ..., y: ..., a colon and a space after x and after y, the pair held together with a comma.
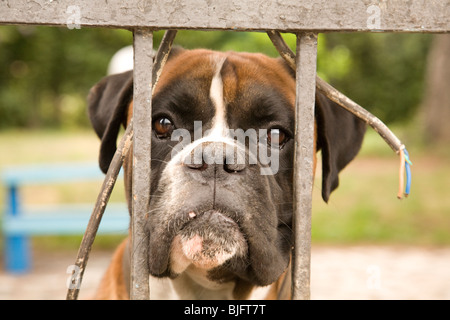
x: 222, y: 160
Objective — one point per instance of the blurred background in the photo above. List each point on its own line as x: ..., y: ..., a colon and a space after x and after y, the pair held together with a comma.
x: 403, y: 79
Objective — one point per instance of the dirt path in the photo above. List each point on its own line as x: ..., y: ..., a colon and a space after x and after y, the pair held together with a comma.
x: 380, y: 273
x: 356, y: 272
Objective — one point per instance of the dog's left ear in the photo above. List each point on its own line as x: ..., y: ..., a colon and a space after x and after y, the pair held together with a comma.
x: 107, y: 105
x: 339, y: 136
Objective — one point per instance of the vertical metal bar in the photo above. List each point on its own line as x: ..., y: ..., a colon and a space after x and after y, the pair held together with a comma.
x: 303, y: 163
x: 142, y: 121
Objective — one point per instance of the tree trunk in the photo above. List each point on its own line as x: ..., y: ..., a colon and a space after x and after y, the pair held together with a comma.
x: 436, y: 102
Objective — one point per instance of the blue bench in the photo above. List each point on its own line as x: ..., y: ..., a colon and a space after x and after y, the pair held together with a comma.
x: 20, y: 221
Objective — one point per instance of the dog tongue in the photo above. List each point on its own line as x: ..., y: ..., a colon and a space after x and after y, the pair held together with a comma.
x: 192, y: 246
x: 204, y: 253
x: 207, y: 241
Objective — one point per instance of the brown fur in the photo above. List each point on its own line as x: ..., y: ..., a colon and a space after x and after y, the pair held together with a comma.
x: 112, y: 286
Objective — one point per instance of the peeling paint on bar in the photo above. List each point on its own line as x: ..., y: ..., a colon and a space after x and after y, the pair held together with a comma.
x: 142, y: 113
x: 306, y: 58
x: 285, y: 15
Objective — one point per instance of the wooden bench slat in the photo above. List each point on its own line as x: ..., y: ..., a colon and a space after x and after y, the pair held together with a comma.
x: 50, y: 173
x: 21, y: 220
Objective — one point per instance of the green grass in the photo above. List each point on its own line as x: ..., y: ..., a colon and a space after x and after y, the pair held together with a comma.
x: 364, y: 209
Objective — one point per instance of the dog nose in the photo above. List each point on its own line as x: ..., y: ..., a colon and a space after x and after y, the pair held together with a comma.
x: 215, y: 155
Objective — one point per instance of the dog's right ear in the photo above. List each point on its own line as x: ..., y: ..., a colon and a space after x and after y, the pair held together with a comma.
x: 108, y: 102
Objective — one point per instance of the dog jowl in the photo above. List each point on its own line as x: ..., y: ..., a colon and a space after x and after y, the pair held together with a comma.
x: 222, y: 164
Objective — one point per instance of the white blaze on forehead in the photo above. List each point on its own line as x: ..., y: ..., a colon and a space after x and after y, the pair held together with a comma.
x: 219, y: 125
x: 219, y: 131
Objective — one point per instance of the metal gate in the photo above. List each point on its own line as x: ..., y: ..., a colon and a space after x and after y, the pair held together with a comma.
x: 306, y: 18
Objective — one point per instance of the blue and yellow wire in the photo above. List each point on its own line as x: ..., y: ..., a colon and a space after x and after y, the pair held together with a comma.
x: 405, y: 170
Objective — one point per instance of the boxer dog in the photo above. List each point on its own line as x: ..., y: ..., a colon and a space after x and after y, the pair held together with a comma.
x: 219, y: 220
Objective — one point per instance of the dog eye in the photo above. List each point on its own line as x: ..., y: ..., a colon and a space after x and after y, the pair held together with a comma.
x: 163, y: 127
x: 277, y: 136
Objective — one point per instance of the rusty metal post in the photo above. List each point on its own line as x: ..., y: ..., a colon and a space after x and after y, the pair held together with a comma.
x: 142, y: 118
x: 306, y: 58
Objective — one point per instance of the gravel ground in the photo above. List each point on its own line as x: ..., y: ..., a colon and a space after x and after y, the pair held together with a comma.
x: 355, y: 272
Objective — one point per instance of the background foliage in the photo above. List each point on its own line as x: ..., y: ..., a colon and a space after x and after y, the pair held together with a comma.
x: 45, y: 73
